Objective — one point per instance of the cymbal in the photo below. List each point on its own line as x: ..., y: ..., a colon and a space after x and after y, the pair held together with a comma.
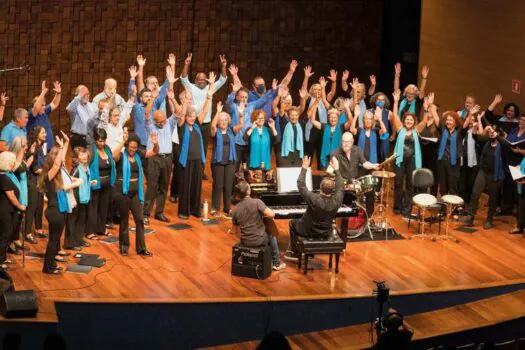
x: 383, y: 174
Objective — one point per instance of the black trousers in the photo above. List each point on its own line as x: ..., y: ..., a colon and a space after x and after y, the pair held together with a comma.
x: 403, y: 197
x: 242, y: 154
x: 6, y: 218
x: 35, y: 208
x: 126, y: 203
x: 466, y: 181
x: 223, y: 177
x: 17, y: 221
x: 509, y: 196
x: 158, y: 177
x: 77, y: 140
x: 521, y: 209
x: 291, y: 161
x: 429, y: 160
x: 56, y: 222
x: 484, y: 180
x: 76, y: 226
x: 176, y: 178
x: 190, y: 197
x: 206, y: 136
x: 448, y: 177
x: 314, y: 145
x: 98, y: 210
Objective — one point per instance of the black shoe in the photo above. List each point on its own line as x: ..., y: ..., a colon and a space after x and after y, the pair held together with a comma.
x: 184, y: 217
x: 145, y: 252
x: 124, y: 250
x: 174, y: 199
x: 205, y: 177
x: 56, y: 271
x: 14, y: 251
x: 198, y: 216
x: 110, y: 225
x: 85, y: 244
x: 488, y: 225
x: 161, y: 217
x: 503, y: 212
x: 516, y: 231
x: 146, y: 220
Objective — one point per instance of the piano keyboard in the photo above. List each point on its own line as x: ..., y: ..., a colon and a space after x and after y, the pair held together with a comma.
x: 291, y: 212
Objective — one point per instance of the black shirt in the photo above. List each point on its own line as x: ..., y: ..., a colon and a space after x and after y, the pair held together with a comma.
x: 459, y: 145
x: 225, y: 147
x: 51, y: 194
x: 487, y: 158
x: 194, y: 149
x: 408, y: 148
x: 366, y: 151
x: 133, y: 163
x: 349, y: 168
x: 7, y: 185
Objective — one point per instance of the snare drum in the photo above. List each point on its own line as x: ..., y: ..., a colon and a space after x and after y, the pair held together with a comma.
x: 424, y: 200
x: 452, y: 200
x: 368, y: 183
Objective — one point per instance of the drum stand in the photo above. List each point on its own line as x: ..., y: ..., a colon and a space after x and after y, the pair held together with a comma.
x: 382, y: 221
x: 450, y: 209
x: 368, y: 220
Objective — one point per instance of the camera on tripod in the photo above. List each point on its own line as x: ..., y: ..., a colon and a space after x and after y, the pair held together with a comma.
x: 382, y: 292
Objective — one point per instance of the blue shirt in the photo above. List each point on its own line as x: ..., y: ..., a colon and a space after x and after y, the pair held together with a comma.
x: 80, y: 113
x: 250, y: 107
x: 139, y: 109
x: 42, y: 120
x: 10, y: 131
x: 252, y: 97
x: 200, y: 95
x: 164, y: 134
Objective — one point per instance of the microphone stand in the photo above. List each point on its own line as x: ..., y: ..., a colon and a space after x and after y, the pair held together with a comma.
x: 6, y: 70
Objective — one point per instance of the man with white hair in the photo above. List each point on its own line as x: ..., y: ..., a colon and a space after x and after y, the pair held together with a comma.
x: 16, y: 127
x: 350, y: 158
x: 110, y: 90
x: 81, y: 111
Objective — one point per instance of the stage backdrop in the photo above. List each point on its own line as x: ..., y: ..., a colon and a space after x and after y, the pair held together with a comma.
x: 84, y: 42
x: 473, y: 46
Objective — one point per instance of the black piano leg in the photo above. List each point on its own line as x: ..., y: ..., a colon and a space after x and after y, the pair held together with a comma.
x: 300, y: 262
x: 305, y: 264
x: 343, y: 231
x: 336, y: 262
x: 330, y: 262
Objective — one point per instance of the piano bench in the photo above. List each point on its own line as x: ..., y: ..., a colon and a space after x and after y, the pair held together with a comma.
x: 332, y: 245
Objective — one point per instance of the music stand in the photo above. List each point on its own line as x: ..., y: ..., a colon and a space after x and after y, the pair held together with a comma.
x: 287, y: 179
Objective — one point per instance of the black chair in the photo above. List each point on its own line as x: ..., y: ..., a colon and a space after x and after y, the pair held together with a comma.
x: 422, y: 181
x: 308, y: 247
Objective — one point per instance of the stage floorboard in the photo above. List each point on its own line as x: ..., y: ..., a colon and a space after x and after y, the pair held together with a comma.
x: 194, y: 265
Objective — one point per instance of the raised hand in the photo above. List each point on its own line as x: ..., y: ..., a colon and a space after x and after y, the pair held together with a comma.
x: 59, y: 141
x: 171, y: 94
x: 44, y: 86
x: 397, y: 68
x: 154, y: 137
x: 334, y: 163
x: 3, y: 98
x: 322, y: 82
x: 219, y: 107
x: 498, y: 98
x: 397, y: 95
x: 346, y: 75
x: 64, y: 136
x: 431, y: 97
x: 241, y: 108
x: 236, y: 86
x: 187, y: 60
x: 133, y: 72
x: 274, y: 84
x: 475, y: 109
x: 373, y: 80
x: 355, y: 84
x: 303, y: 93
x: 333, y: 75
x: 141, y: 61
x: 424, y: 72
x: 271, y: 123
x: 308, y: 72
x: 234, y: 71
x: 347, y: 103
x: 170, y: 75
x: 57, y: 87
x: 306, y: 162
x: 125, y: 134
x: 171, y: 59
x: 223, y: 60
x: 293, y: 65
x: 212, y: 77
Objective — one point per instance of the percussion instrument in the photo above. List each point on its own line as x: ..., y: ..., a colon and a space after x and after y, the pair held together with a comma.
x: 383, y: 174
x: 368, y: 183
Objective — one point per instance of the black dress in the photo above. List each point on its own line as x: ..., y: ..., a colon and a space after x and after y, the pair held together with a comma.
x: 7, y: 213
x: 56, y: 221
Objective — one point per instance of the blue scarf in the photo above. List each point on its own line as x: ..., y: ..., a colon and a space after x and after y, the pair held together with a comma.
x: 126, y: 174
x: 65, y: 198
x: 84, y: 191
x: 385, y: 138
x: 372, y: 158
x: 513, y: 136
x: 411, y: 108
x: 278, y: 123
x: 183, y: 158
x: 463, y: 113
x: 21, y: 185
x: 93, y: 168
x: 217, y: 157
x: 288, y: 142
x: 322, y: 113
x: 260, y: 147
x: 329, y: 144
x: 522, y: 169
x: 453, y: 145
x: 399, y: 149
x: 498, y: 173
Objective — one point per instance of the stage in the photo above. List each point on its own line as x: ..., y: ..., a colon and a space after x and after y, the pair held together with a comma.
x: 192, y: 267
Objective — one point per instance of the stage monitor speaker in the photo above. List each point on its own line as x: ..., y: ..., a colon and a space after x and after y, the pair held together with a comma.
x: 6, y: 282
x: 251, y: 262
x: 18, y: 304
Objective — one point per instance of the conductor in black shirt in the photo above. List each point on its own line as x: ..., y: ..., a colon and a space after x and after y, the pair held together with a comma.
x: 322, y: 208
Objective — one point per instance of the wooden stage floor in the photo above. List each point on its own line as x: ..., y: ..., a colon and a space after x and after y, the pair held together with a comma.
x: 194, y: 265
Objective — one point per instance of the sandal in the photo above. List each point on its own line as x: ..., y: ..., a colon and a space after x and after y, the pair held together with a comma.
x: 92, y: 237
x: 31, y: 239
x: 63, y: 253
x: 60, y: 259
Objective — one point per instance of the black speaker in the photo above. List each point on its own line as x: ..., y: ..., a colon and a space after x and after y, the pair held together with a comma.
x: 6, y: 282
x: 251, y: 262
x: 18, y: 304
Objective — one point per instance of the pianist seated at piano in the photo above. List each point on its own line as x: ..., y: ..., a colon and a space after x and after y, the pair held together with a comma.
x: 321, y: 210
x: 247, y: 221
x: 260, y: 139
x: 351, y: 161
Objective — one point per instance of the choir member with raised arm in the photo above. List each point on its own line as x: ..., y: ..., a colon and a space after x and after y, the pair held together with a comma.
x: 358, y: 95
x: 110, y: 91
x: 177, y: 110
x: 117, y: 118
x: 470, y: 158
x: 15, y: 128
x: 3, y: 101
x: 39, y: 114
x: 81, y: 111
x: 408, y: 156
x: 129, y: 188
x: 412, y: 95
x: 470, y: 102
x: 381, y: 101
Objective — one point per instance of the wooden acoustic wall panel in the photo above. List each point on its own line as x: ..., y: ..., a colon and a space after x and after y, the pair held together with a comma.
x: 87, y: 41
x: 473, y: 46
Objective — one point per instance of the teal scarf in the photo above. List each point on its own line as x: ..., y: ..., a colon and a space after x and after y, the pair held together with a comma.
x: 522, y: 169
x: 21, y: 185
x: 400, y: 147
x: 331, y: 142
x: 322, y: 113
x: 260, y: 147
x: 288, y: 143
x: 84, y: 191
x: 183, y: 158
x: 126, y: 174
x: 93, y: 168
x: 411, y: 108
